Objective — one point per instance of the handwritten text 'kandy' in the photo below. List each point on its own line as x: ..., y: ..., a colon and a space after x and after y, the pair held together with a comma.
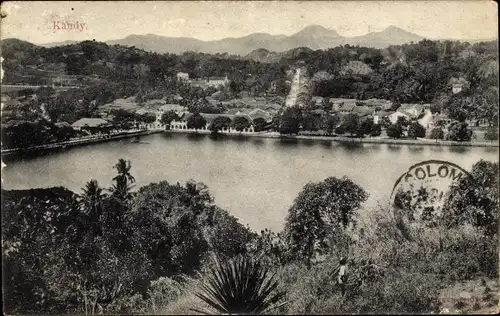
x: 68, y: 26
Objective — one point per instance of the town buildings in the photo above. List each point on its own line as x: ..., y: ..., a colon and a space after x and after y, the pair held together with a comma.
x: 181, y: 124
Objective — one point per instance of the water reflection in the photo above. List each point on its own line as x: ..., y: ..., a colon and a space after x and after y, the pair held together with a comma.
x: 394, y: 147
x: 458, y: 149
x: 240, y: 138
x: 415, y: 148
x: 195, y: 137
x: 353, y: 146
x: 217, y: 136
x: 436, y: 149
x: 308, y: 142
x: 258, y: 141
x: 491, y: 149
x: 168, y: 135
x: 326, y: 143
x: 283, y: 141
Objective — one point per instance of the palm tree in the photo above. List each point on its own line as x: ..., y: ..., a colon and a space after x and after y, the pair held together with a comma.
x: 123, y: 167
x: 91, y: 199
x: 196, y: 196
x: 122, y: 188
x: 240, y: 286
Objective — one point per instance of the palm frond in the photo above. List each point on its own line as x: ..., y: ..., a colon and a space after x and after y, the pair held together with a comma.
x: 241, y: 285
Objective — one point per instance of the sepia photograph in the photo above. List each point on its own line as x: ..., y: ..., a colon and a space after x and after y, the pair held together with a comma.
x: 249, y: 157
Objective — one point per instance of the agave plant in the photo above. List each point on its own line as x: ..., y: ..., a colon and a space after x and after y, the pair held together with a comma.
x: 240, y: 286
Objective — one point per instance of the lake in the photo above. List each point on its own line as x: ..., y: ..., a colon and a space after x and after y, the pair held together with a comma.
x: 255, y: 179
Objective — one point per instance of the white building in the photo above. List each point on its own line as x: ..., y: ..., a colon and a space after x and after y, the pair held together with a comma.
x: 166, y: 108
x: 182, y: 76
x: 378, y: 116
x: 410, y: 111
x: 90, y: 122
x: 217, y: 81
x: 456, y: 88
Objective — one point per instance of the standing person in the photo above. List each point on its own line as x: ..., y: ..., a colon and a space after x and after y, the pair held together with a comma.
x: 342, y: 277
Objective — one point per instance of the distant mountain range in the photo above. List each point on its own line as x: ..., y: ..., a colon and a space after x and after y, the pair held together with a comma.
x: 313, y: 37
x: 54, y: 44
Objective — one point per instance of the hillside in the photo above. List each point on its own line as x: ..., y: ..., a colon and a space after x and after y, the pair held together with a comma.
x: 69, y: 65
x: 13, y: 48
x: 160, y: 44
x: 417, y: 72
x: 263, y: 55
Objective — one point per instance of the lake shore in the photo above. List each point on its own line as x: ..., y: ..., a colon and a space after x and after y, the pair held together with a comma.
x: 343, y: 139
x: 77, y: 142
x: 339, y: 139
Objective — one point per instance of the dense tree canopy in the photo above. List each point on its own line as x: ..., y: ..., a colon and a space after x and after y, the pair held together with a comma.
x: 415, y: 130
x: 196, y: 121
x: 474, y: 200
x: 168, y: 117
x: 459, y: 131
x: 220, y: 123
x: 437, y: 133
x: 321, y: 209
x: 289, y: 121
x: 81, y: 253
x: 259, y: 124
x: 240, y: 123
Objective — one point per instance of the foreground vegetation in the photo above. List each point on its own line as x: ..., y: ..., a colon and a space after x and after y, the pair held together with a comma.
x: 167, y: 248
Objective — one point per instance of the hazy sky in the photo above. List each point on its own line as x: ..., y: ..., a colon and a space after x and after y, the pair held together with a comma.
x: 34, y: 21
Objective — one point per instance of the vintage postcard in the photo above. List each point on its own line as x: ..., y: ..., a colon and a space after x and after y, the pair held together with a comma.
x: 249, y: 157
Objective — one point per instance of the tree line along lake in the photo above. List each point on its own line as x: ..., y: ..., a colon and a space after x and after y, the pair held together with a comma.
x: 255, y: 179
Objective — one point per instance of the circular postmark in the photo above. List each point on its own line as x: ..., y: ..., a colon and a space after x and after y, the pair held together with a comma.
x: 425, y: 184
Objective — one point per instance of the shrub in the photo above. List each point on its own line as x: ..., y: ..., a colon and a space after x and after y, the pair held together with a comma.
x: 268, y: 247
x: 163, y: 291
x: 376, y: 130
x: 259, y: 124
x: 491, y: 134
x: 415, y: 130
x: 394, y: 131
x: 370, y: 289
x: 437, y: 133
x: 340, y: 130
x: 459, y: 131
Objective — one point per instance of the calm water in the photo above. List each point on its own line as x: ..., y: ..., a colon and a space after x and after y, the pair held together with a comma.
x: 255, y: 179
